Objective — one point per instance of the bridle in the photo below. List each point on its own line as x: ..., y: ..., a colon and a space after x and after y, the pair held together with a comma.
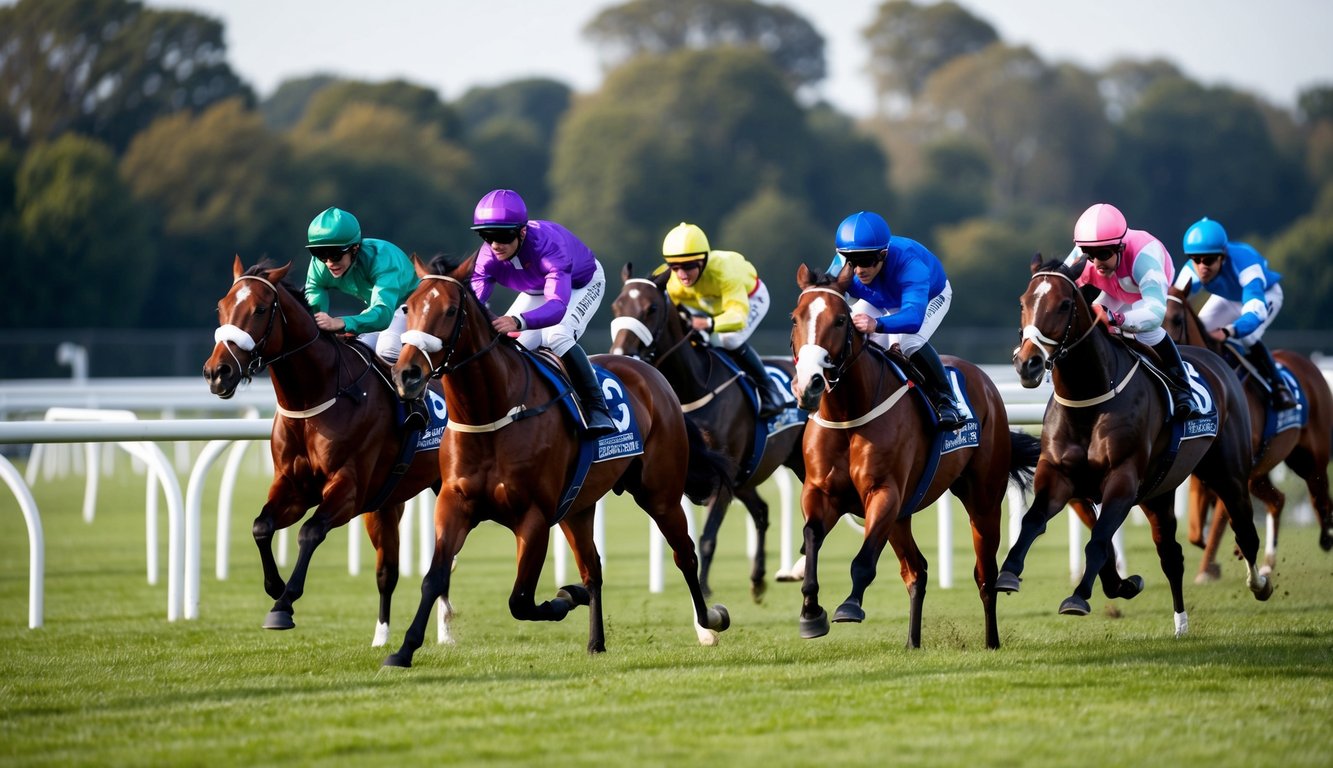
x: 839, y: 368
x: 648, y: 336
x: 430, y: 345
x: 238, y: 337
x: 1054, y: 350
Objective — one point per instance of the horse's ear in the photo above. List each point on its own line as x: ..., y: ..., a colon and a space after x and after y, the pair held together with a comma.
x: 276, y: 274
x: 464, y: 271
x: 844, y: 277
x: 803, y: 278
x: 627, y: 272
x: 237, y: 268
x: 1036, y: 262
x: 420, y: 267
x: 1076, y: 269
x: 661, y: 277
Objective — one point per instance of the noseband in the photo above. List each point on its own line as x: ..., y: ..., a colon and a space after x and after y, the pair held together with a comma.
x: 240, y: 338
x: 429, y: 344
x: 1061, y: 347
x: 648, y: 336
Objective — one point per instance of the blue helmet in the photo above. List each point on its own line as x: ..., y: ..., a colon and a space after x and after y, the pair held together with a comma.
x: 862, y: 231
x: 1205, y: 236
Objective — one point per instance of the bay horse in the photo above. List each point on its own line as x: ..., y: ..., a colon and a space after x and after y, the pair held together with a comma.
x: 510, y: 452
x: 1107, y: 437
x: 648, y: 325
x: 1304, y: 448
x: 864, y: 456
x: 336, y: 437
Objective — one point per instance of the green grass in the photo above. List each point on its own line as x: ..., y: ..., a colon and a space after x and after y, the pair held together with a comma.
x: 108, y: 680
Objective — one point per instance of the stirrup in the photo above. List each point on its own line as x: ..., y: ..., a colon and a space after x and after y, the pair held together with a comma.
x: 598, y: 422
x: 949, y: 416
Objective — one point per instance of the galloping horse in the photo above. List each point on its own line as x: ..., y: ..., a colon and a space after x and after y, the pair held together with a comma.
x: 863, y: 454
x: 1303, y: 447
x: 336, y: 436
x: 1108, y: 438
x: 649, y: 326
x: 510, y: 453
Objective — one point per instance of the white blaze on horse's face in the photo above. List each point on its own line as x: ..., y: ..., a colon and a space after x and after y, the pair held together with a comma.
x: 243, y: 294
x: 811, y: 359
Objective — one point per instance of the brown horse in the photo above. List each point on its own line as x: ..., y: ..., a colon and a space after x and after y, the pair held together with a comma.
x: 1107, y: 437
x: 649, y: 326
x: 510, y: 453
x: 1305, y: 449
x: 335, y: 439
x: 862, y: 454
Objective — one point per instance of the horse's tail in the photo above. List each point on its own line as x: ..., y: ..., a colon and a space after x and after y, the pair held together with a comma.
x: 1024, y: 450
x: 707, y: 469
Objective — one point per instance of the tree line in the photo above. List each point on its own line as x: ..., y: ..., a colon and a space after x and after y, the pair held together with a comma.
x: 134, y: 162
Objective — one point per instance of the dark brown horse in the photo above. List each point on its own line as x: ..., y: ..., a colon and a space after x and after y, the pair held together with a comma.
x: 649, y: 326
x: 336, y: 437
x: 1305, y: 449
x: 1107, y: 438
x: 867, y: 453
x: 510, y: 452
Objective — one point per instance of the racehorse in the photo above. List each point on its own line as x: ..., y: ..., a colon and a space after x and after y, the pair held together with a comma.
x: 1107, y: 437
x: 1304, y: 447
x: 336, y: 437
x: 862, y: 453
x: 649, y: 326
x: 509, y: 453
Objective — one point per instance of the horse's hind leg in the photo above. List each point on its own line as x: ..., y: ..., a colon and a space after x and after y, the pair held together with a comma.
x: 578, y: 530
x: 382, y: 527
x: 1229, y: 483
x: 666, y: 512
x: 1162, y: 519
x: 1311, y: 465
x: 717, y: 512
x: 1274, y: 502
x: 758, y: 509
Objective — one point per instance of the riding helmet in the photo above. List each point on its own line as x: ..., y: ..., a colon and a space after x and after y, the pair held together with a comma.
x: 1205, y: 236
x: 333, y: 227
x: 1101, y: 224
x: 862, y: 231
x: 500, y: 209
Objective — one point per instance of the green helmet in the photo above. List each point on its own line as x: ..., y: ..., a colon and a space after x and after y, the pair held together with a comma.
x: 333, y: 227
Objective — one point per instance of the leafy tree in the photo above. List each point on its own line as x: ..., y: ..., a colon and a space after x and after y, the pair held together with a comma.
x: 106, y: 68
x: 221, y: 184
x: 1316, y: 103
x: 284, y: 109
x: 690, y: 135
x: 1302, y: 253
x: 84, y: 244
x: 421, y: 105
x: 653, y: 27
x: 956, y: 186
x: 510, y: 130
x: 1123, y: 84
x: 848, y: 172
x: 540, y: 102
x: 910, y: 42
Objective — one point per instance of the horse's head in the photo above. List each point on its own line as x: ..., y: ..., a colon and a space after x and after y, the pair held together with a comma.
x: 643, y: 316
x: 436, y: 314
x: 822, y: 335
x: 1055, y: 317
x: 250, y: 327
x: 1181, y: 322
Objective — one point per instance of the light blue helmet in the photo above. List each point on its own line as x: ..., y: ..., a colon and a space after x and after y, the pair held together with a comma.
x: 862, y: 231
x: 1205, y: 236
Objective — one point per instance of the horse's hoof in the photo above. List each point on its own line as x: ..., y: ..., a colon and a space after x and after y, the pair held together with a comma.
x: 575, y: 594
x: 1007, y: 582
x: 1131, y: 587
x: 849, y: 612
x: 1209, y: 574
x: 796, y: 573
x: 757, y: 590
x: 719, y: 618
x: 1075, y: 606
x: 1263, y: 591
x: 399, y: 659
x: 381, y: 635
x: 279, y: 620
x: 816, y: 627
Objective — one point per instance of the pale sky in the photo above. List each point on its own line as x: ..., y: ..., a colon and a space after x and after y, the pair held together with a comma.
x: 1274, y: 48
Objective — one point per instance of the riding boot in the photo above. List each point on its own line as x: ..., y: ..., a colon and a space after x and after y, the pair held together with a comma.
x: 584, y: 380
x: 417, y: 417
x: 1279, y: 396
x: 1182, y: 401
x: 927, y: 363
x: 771, y: 402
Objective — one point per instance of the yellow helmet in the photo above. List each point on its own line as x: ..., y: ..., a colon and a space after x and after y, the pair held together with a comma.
x: 685, y: 243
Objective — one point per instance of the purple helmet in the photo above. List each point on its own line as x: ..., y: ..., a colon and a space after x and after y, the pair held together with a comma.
x: 500, y: 209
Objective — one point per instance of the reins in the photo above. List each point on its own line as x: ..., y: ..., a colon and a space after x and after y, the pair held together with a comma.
x: 1062, y: 348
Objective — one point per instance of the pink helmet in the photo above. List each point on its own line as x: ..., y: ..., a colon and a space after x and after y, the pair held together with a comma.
x: 1102, y: 224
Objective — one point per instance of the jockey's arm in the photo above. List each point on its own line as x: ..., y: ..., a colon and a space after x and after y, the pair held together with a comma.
x: 1149, y: 311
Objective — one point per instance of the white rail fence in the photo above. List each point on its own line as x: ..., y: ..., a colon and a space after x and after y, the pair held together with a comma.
x: 104, y: 412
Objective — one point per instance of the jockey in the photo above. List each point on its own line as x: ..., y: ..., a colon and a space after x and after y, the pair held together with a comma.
x: 728, y: 301
x: 559, y: 282
x: 374, y: 271
x: 1245, y: 300
x: 902, y: 296
x: 1133, y: 271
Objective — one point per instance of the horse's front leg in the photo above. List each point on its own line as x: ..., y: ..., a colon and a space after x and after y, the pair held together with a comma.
x: 881, y: 508
x: 1051, y: 491
x: 453, y: 521
x: 284, y: 507
x: 338, y: 506
x: 532, y: 535
x: 382, y: 527
x: 758, y: 509
x: 1118, y: 492
x: 820, y: 517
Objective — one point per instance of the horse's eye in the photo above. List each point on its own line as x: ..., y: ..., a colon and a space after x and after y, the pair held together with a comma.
x: 261, y: 309
x: 451, y: 311
x: 652, y: 309
x: 840, y: 322
x: 1067, y: 305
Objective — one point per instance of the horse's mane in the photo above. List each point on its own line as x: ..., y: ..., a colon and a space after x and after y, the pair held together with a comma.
x: 1072, y: 271
x: 444, y: 263
x: 264, y: 265
x: 819, y: 278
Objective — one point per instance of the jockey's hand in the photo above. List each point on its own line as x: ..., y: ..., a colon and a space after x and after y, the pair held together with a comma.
x: 864, y: 323
x: 702, y: 323
x: 328, y: 323
x: 505, y: 324
x: 1109, y: 318
x: 1218, y: 334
